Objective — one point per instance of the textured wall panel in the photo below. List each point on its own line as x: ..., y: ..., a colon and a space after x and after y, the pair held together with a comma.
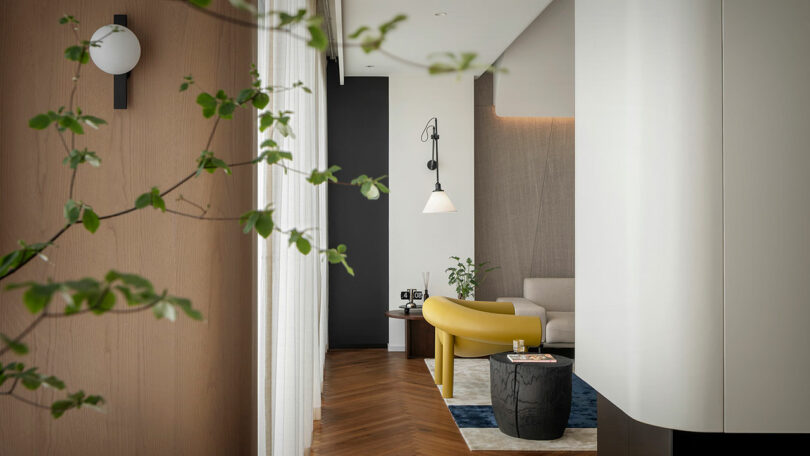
x: 524, y: 204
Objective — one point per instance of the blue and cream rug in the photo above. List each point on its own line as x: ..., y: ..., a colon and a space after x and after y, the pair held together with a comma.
x: 471, y: 408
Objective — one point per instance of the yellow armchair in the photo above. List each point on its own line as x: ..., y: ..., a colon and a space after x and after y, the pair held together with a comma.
x: 474, y: 328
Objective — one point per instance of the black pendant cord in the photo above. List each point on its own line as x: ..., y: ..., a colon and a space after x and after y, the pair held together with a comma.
x: 433, y: 164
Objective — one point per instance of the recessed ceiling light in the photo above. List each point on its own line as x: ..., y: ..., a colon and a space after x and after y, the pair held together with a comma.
x: 440, y: 14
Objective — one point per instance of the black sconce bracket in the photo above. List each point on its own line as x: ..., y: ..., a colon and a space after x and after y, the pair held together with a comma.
x: 120, y: 80
x: 433, y: 163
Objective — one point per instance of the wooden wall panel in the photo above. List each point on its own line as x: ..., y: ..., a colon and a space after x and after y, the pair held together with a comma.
x: 173, y: 389
x: 518, y: 159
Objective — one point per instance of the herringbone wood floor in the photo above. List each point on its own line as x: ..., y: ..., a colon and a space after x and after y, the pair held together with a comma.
x: 381, y: 403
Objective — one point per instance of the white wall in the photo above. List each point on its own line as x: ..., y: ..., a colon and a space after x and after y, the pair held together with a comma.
x: 423, y: 242
x: 540, y: 64
x: 649, y: 223
x: 766, y: 54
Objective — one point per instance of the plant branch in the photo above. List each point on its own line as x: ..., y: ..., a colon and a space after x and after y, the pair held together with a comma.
x: 24, y: 333
x: 62, y: 138
x: 45, y: 314
x: 200, y: 217
x: 256, y: 25
x: 27, y: 401
x: 113, y: 215
x: 203, y: 210
x: 72, y: 181
x: 13, y: 385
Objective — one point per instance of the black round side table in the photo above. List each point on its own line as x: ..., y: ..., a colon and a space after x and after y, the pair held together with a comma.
x: 531, y: 400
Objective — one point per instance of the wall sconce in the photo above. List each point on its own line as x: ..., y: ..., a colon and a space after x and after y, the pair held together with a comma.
x: 117, y: 53
x: 438, y: 201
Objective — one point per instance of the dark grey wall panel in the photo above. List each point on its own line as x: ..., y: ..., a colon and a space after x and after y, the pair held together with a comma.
x: 524, y: 196
x: 358, y: 142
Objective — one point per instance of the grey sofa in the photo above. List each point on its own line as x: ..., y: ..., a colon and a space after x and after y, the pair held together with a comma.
x: 551, y: 299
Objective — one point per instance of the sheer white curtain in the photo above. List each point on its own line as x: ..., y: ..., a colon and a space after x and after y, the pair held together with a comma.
x: 292, y: 287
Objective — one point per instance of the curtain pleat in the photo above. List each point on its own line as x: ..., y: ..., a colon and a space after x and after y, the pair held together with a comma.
x: 296, y: 309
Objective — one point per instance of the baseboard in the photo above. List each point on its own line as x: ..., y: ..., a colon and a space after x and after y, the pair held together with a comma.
x: 396, y: 348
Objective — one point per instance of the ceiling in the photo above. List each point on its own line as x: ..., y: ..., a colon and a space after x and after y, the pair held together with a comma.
x: 433, y: 26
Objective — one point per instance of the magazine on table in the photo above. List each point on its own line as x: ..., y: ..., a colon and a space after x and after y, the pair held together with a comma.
x: 531, y: 358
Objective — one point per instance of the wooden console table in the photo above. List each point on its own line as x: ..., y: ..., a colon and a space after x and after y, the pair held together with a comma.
x: 419, y: 334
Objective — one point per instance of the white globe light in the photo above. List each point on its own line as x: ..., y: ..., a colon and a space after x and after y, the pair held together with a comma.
x: 117, y: 52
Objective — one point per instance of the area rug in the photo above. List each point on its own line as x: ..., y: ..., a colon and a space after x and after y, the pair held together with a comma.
x: 471, y: 408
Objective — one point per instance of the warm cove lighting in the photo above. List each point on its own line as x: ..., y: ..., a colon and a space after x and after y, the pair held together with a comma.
x: 438, y: 202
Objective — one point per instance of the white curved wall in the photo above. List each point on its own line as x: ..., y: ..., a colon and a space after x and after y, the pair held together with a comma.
x: 649, y: 208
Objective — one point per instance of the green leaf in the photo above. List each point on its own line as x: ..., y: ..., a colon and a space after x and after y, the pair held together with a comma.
x: 208, y: 103
x: 184, y: 86
x: 226, y: 109
x: 77, y: 157
x: 164, y: 309
x: 93, y: 121
x: 273, y: 156
x: 129, y: 279
x: 200, y: 3
x: 102, y: 302
x: 287, y: 19
x: 68, y: 19
x: 245, y: 95
x: 38, y: 295
x: 17, y: 347
x: 77, y: 53
x: 209, y: 163
x: 14, y: 259
x: 318, y: 38
x: 143, y: 200
x: 249, y: 220
x: 264, y: 224
x: 318, y: 177
x: 221, y: 95
x: 261, y: 100
x: 75, y: 401
x: 53, y: 382
x: 301, y: 243
x: 39, y: 122
x: 71, y: 124
x: 71, y: 211
x: 90, y: 220
x: 337, y: 255
x: 265, y: 121
x: 185, y: 306
x: 152, y: 198
x: 359, y: 32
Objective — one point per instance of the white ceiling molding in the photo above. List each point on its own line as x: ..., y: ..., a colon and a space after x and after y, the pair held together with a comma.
x: 433, y: 26
x: 338, y: 13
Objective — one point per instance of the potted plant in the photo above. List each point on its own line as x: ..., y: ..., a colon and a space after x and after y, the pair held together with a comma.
x: 467, y: 276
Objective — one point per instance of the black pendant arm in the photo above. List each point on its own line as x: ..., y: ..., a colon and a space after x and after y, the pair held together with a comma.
x: 433, y: 164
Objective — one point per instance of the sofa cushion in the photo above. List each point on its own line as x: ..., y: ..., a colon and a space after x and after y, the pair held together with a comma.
x: 559, y: 327
x: 526, y: 308
x: 552, y: 293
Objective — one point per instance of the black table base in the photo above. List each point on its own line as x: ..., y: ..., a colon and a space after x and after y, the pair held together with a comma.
x: 531, y: 400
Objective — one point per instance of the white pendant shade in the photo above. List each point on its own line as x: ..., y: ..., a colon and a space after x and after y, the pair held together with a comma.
x: 438, y: 202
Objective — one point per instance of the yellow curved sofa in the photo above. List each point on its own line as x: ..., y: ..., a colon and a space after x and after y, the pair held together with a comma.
x: 474, y: 328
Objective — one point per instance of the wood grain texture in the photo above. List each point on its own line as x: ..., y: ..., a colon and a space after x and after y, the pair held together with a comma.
x: 518, y: 160
x: 380, y: 403
x: 172, y: 389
